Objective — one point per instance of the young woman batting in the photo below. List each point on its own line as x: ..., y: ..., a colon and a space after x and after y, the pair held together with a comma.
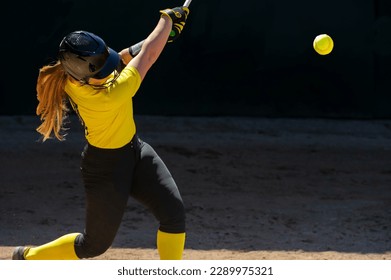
x: 116, y: 163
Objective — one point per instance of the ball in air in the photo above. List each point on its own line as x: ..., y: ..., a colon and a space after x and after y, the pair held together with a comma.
x: 323, y: 44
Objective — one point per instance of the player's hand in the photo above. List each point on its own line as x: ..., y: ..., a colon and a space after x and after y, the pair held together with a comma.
x: 178, y: 16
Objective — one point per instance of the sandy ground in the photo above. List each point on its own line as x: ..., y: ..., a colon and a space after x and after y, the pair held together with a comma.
x: 253, y: 188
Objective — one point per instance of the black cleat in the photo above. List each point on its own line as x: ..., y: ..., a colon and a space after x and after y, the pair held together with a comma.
x: 18, y: 253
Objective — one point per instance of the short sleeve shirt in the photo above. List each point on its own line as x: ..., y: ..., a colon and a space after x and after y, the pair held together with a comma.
x: 107, y: 114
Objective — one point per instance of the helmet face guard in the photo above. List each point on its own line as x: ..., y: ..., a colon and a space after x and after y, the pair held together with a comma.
x: 85, y: 55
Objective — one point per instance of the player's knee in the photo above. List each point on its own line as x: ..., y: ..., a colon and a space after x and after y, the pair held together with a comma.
x: 174, y: 221
x: 86, y: 247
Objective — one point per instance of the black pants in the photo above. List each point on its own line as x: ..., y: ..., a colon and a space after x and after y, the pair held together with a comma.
x: 110, y: 177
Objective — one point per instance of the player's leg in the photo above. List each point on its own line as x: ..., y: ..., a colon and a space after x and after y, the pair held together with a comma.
x: 170, y: 245
x: 154, y: 186
x: 104, y: 210
x: 107, y: 178
x: 60, y: 249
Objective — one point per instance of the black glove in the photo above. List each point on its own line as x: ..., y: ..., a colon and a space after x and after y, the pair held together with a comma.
x: 179, y: 17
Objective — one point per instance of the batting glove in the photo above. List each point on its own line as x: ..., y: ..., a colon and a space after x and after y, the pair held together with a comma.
x: 178, y: 16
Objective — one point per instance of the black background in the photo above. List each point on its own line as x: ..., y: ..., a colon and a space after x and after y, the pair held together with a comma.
x: 249, y: 58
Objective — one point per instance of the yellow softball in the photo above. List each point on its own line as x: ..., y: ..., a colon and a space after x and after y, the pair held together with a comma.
x: 323, y: 44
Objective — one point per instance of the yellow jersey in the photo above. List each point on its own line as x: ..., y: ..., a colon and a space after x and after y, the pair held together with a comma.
x: 107, y: 114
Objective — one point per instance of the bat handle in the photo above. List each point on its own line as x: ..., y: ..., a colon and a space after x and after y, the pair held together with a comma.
x: 136, y: 48
x: 187, y: 3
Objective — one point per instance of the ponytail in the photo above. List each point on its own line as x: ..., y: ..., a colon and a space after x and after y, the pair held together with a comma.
x: 51, y: 95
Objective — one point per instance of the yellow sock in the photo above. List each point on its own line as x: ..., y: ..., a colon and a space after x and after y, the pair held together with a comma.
x: 170, y: 245
x: 62, y: 248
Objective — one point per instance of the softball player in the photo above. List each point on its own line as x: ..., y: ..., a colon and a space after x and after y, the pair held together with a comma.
x: 115, y: 163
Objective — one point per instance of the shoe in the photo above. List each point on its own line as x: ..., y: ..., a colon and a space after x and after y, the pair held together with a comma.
x: 18, y: 253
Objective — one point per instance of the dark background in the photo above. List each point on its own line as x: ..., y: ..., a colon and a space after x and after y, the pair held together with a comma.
x: 249, y: 58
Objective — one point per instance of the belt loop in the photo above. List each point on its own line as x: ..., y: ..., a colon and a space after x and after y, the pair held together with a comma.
x: 134, y: 141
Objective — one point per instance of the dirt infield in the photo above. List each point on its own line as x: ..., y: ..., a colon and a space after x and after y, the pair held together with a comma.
x: 253, y: 188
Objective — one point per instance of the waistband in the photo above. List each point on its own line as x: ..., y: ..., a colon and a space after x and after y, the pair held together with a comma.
x: 134, y: 143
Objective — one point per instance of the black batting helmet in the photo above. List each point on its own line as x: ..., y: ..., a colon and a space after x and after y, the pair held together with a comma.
x: 85, y: 55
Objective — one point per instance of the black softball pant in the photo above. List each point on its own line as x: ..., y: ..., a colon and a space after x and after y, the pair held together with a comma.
x: 112, y: 175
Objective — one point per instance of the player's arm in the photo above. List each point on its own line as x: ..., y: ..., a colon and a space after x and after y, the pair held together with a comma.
x: 168, y: 29
x: 153, y: 46
x: 178, y: 15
